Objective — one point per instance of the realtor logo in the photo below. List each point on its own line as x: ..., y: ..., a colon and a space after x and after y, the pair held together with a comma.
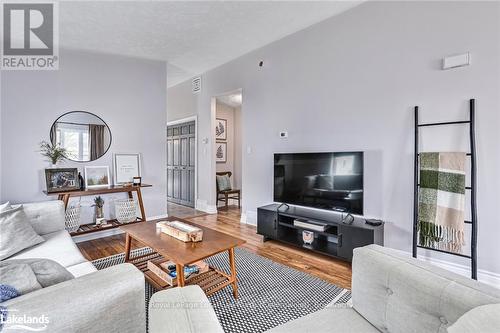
x: 30, y: 36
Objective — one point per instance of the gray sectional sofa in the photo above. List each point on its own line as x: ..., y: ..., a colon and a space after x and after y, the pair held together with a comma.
x: 110, y: 300
x: 391, y: 292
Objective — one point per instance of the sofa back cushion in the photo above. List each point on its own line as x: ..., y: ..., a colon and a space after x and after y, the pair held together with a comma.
x: 46, y: 217
x: 397, y: 293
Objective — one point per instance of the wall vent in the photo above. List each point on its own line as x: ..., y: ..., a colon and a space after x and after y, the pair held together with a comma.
x: 196, y: 84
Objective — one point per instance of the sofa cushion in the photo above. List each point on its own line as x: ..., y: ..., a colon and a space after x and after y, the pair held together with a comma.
x: 17, y: 233
x: 19, y: 277
x: 398, y: 293
x: 333, y: 319
x: 81, y: 269
x: 484, y: 318
x: 27, y: 275
x: 184, y: 309
x: 58, y: 246
x: 46, y: 217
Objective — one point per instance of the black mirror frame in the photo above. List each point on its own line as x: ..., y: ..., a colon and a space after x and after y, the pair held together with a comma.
x: 51, y: 133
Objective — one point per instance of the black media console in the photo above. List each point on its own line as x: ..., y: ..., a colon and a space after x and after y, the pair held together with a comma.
x: 338, y: 240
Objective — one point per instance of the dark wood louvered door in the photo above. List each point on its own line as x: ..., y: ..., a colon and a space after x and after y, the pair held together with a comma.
x: 181, y: 157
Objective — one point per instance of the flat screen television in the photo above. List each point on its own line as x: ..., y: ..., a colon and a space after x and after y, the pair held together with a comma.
x: 331, y: 181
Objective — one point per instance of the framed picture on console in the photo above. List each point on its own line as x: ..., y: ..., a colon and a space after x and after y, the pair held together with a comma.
x: 97, y: 176
x: 126, y: 167
x: 61, y: 180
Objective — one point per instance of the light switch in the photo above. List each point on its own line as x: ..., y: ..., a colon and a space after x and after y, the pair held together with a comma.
x: 249, y: 150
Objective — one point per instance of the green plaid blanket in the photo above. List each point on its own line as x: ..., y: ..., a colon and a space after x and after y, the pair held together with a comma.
x: 442, y: 201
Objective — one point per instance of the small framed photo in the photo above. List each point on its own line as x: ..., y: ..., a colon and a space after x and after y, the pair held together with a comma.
x: 61, y: 180
x: 96, y: 176
x: 126, y: 167
x: 220, y: 129
x: 220, y: 152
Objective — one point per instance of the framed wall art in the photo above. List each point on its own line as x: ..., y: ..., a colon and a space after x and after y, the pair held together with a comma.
x: 126, y: 167
x: 61, y: 179
x: 220, y: 129
x: 97, y: 176
x: 220, y: 152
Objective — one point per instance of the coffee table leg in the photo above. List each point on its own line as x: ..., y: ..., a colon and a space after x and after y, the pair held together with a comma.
x: 180, y: 275
x: 128, y: 241
x: 232, y: 263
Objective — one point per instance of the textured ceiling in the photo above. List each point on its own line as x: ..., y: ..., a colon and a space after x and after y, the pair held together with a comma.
x: 192, y: 37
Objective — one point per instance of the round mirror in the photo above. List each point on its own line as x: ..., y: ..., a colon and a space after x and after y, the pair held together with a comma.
x: 85, y: 136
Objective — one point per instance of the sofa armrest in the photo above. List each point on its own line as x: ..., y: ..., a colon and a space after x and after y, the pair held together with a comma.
x: 46, y: 217
x: 110, y: 300
x: 398, y: 293
x: 184, y: 309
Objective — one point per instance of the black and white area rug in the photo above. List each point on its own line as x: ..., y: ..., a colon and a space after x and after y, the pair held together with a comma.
x: 269, y: 294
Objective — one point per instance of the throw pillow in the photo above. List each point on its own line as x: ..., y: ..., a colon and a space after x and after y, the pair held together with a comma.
x: 224, y: 183
x: 17, y: 233
x: 484, y: 318
x: 27, y: 275
x: 5, y: 206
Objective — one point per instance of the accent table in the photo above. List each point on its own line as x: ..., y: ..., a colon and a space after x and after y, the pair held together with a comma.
x: 88, y: 228
x: 183, y: 254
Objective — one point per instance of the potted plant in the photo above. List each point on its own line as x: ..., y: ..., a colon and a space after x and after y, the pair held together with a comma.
x: 98, y: 208
x: 54, y: 153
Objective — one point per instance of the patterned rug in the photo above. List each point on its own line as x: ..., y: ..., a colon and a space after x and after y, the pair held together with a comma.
x: 270, y: 294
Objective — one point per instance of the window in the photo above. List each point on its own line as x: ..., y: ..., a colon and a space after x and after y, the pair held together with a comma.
x: 75, y: 137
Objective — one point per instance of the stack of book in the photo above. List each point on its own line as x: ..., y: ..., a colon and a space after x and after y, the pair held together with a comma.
x: 166, y: 270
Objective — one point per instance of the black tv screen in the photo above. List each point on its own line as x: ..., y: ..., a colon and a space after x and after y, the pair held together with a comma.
x: 332, y: 181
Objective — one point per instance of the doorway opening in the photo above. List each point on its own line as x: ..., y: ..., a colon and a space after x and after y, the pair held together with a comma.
x: 228, y: 149
x: 181, y: 161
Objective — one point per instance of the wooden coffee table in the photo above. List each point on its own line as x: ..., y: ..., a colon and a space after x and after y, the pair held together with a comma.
x: 183, y: 254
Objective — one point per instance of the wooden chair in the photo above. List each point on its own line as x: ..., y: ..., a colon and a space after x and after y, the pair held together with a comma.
x: 228, y: 194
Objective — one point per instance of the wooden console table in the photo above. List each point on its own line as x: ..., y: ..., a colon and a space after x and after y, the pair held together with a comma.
x: 88, y: 228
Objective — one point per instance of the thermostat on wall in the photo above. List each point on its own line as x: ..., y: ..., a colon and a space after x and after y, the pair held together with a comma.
x: 455, y: 61
x: 283, y: 135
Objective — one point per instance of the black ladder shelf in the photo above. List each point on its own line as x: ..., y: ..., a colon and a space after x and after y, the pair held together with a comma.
x: 472, y: 188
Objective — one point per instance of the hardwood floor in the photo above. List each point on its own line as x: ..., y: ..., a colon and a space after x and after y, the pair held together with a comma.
x: 334, y: 271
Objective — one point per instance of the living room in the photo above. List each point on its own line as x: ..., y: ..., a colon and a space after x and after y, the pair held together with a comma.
x: 330, y: 117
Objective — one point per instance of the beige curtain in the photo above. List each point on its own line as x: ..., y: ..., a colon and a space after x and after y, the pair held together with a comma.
x: 96, y: 141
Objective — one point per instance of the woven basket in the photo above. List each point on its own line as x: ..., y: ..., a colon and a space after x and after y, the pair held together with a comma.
x: 125, y: 210
x: 72, y: 218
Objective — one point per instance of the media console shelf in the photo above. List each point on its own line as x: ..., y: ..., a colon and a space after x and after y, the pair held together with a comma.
x: 337, y: 240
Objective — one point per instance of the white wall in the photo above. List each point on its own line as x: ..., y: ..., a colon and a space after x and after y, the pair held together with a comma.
x: 237, y: 149
x: 129, y: 94
x: 350, y: 83
x: 184, y: 104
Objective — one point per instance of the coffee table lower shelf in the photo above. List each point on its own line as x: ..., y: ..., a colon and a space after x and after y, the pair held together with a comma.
x: 210, y: 282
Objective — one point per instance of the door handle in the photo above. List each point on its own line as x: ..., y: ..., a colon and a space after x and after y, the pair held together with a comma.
x: 339, y: 240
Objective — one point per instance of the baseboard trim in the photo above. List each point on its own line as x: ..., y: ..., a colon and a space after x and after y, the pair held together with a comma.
x: 250, y: 217
x: 483, y: 276
x: 203, y: 206
x: 110, y: 232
